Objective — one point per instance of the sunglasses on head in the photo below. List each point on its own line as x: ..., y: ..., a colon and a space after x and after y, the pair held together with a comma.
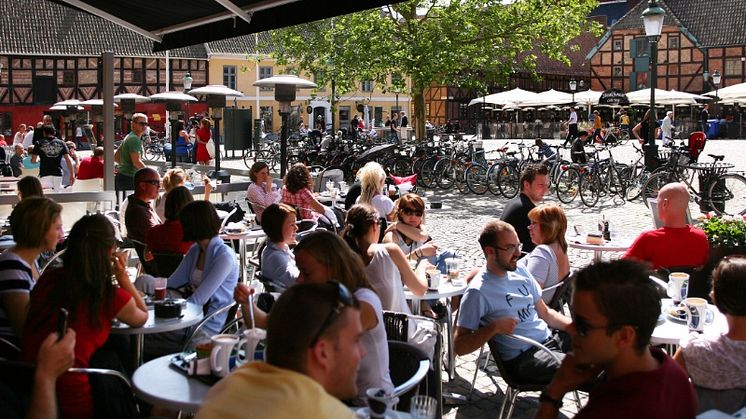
x: 412, y: 211
x: 344, y: 299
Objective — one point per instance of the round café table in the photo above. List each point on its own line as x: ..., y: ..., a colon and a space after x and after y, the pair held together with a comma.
x: 614, y: 245
x: 159, y: 384
x: 446, y: 290
x: 191, y: 315
x: 253, y: 235
x: 670, y: 332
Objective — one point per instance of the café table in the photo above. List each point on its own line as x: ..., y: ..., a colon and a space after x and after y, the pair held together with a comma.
x: 326, y: 198
x: 159, y: 384
x: 447, y: 290
x: 253, y: 235
x: 670, y: 332
x: 619, y: 244
x: 191, y: 315
x: 363, y: 412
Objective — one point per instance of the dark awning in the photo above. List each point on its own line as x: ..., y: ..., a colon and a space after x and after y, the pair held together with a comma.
x: 180, y: 23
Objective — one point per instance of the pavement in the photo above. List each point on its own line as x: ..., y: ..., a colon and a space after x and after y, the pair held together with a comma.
x: 456, y: 226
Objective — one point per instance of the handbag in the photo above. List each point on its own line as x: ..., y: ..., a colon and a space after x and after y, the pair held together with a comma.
x: 229, y: 206
x: 210, y: 148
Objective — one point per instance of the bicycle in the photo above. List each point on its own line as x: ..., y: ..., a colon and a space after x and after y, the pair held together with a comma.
x: 718, y: 189
x: 153, y: 148
x: 600, y: 177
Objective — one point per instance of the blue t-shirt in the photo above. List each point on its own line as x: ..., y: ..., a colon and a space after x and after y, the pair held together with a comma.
x: 515, y: 295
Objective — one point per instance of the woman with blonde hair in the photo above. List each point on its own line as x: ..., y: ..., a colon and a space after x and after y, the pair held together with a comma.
x: 372, y: 181
x: 323, y: 256
x: 548, y: 262
x: 172, y: 179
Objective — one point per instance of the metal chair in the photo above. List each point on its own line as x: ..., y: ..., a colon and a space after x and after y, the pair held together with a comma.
x: 225, y: 309
x: 561, y: 293
x: 334, y: 173
x: 56, y: 257
x: 408, y: 366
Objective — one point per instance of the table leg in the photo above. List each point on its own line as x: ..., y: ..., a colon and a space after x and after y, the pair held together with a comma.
x: 451, y: 355
x: 242, y: 263
x: 139, y: 349
x: 597, y: 256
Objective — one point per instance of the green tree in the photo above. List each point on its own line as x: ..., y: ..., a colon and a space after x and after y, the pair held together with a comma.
x: 465, y: 43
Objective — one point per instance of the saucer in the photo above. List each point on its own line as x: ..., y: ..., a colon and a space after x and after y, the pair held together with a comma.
x: 364, y: 412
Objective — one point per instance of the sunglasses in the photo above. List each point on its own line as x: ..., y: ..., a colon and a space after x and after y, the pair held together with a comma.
x: 511, y: 248
x: 410, y: 211
x: 153, y: 182
x: 344, y: 299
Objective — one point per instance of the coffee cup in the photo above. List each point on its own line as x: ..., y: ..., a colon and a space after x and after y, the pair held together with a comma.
x: 697, y: 314
x: 433, y: 275
x: 453, y: 267
x: 249, y: 341
x: 378, y: 402
x: 159, y: 285
x: 678, y: 285
x: 220, y: 357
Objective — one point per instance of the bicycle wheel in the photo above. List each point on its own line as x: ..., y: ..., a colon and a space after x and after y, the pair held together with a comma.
x: 401, y: 167
x: 150, y: 153
x: 459, y: 178
x: 248, y: 157
x: 445, y: 173
x: 267, y: 157
x: 567, y: 185
x: 476, y: 179
x: 492, y: 179
x: 635, y: 184
x: 654, y: 184
x: 727, y: 194
x: 508, y: 180
x: 427, y: 172
x: 589, y: 188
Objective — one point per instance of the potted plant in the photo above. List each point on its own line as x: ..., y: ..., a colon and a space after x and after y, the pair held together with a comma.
x: 727, y: 236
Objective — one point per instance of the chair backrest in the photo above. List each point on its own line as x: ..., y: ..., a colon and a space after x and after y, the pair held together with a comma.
x: 352, y: 194
x: 396, y: 325
x: 408, y: 366
x: 232, y: 307
x: 334, y: 173
x: 57, y: 257
x: 728, y: 401
x: 509, y: 378
x: 561, y: 293
x: 697, y: 141
x: 164, y: 264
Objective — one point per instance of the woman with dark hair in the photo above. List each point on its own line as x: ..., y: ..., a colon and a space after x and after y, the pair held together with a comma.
x: 278, y: 263
x: 168, y: 237
x: 321, y: 257
x: 386, y: 266
x: 718, y: 362
x: 83, y: 287
x: 29, y: 186
x: 548, y: 262
x: 641, y: 131
x: 261, y: 192
x: 36, y: 226
x: 209, y: 268
x: 203, y: 137
x: 297, y: 192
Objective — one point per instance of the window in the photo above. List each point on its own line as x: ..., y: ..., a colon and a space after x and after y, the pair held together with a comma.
x: 733, y: 67
x: 673, y: 42
x: 642, y: 46
x: 617, y: 44
x: 344, y: 116
x: 68, y: 77
x: 229, y: 76
x: 265, y: 73
x: 266, y: 116
x: 617, y: 71
x: 367, y: 86
x: 378, y: 115
x: 137, y: 75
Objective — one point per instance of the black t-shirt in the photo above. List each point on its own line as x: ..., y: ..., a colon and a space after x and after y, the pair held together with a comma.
x: 516, y: 214
x: 577, y: 153
x: 50, y: 152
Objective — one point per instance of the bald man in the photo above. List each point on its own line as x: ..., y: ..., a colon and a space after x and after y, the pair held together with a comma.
x: 676, y: 244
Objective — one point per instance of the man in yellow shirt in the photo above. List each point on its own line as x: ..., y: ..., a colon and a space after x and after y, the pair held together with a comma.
x: 312, y: 356
x: 598, y: 123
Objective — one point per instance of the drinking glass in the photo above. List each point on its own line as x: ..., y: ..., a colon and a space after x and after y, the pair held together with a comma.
x: 422, y: 407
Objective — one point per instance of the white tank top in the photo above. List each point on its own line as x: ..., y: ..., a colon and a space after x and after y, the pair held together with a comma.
x: 385, y: 279
x: 374, y: 367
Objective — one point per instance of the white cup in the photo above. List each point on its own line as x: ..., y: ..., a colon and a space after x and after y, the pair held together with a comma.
x: 378, y: 402
x: 433, y: 275
x: 220, y: 357
x: 249, y: 341
x: 678, y: 285
x: 697, y: 314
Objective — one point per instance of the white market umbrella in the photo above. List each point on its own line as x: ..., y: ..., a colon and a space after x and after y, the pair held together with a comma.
x: 95, y: 102
x: 550, y: 97
x: 69, y: 102
x: 62, y: 108
x: 730, y: 92
x: 131, y: 96
x: 173, y: 96
x: 588, y: 97
x: 515, y: 96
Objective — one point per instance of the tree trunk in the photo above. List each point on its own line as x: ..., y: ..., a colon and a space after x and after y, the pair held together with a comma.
x: 419, y: 114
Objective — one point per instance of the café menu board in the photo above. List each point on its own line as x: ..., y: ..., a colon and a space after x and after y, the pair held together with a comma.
x: 613, y: 97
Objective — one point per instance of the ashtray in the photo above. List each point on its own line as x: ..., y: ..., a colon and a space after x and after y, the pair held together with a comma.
x: 167, y: 309
x: 436, y: 205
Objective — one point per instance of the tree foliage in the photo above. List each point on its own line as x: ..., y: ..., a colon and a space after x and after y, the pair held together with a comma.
x: 466, y: 43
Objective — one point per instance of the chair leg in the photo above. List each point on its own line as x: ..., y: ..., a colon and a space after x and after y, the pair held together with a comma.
x: 576, y: 396
x: 476, y: 371
x: 507, y: 395
x: 513, y: 396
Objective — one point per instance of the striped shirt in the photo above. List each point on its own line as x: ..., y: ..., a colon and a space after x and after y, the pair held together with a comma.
x: 15, y: 276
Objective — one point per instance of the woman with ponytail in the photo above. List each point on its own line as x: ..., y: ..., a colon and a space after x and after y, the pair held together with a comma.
x: 386, y: 266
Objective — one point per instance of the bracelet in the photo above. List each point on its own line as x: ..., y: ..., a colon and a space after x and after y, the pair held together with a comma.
x: 544, y: 397
x: 419, y: 255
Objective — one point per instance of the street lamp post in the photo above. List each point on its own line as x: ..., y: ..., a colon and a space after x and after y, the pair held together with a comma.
x: 652, y: 18
x: 285, y: 86
x: 716, y: 81
x: 573, y: 88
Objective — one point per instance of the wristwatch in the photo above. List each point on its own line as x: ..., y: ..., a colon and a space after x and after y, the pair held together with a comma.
x: 544, y: 397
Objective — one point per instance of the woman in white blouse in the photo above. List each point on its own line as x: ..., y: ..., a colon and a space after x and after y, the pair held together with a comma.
x: 262, y: 192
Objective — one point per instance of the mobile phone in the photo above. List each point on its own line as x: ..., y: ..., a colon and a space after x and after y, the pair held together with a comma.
x: 62, y: 323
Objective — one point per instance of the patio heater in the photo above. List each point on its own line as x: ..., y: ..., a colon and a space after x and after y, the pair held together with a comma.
x: 285, y: 86
x: 216, y: 94
x: 174, y: 102
x: 573, y: 88
x: 127, y: 103
x: 70, y: 113
x: 652, y: 18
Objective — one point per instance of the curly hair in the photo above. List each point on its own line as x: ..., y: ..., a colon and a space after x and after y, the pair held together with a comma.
x: 298, y: 177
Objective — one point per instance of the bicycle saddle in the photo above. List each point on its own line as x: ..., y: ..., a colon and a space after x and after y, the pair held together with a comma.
x: 717, y: 157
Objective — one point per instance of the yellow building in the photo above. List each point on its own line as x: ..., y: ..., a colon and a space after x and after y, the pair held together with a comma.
x: 237, y: 63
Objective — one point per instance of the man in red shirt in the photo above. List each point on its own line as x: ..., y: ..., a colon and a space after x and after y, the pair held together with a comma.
x: 92, y: 167
x: 614, y: 309
x: 676, y: 244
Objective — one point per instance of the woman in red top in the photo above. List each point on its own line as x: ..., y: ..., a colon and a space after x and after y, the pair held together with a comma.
x: 85, y: 289
x: 203, y: 137
x: 167, y: 237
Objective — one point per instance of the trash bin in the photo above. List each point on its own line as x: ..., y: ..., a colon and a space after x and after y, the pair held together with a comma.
x: 719, y: 193
x: 650, y: 153
x: 713, y: 128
